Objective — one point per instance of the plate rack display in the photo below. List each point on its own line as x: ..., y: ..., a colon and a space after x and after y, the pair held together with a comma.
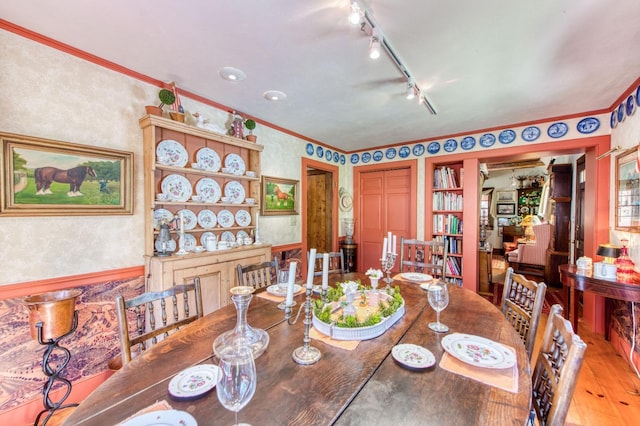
x: 448, y: 207
x: 195, y: 189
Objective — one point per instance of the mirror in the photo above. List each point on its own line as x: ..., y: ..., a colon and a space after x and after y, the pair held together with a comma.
x: 627, y: 192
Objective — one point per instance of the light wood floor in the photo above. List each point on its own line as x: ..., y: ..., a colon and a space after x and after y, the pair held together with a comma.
x: 608, y: 390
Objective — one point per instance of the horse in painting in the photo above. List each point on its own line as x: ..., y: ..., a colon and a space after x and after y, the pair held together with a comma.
x: 281, y: 196
x: 45, y: 176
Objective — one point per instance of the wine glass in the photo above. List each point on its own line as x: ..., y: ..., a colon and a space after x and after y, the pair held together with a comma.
x: 238, y: 382
x: 438, y: 299
x: 283, y: 283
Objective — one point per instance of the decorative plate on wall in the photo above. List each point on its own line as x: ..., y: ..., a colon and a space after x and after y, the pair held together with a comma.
x: 488, y: 139
x: 366, y: 157
x: 391, y: 153
x: 531, y: 133
x: 404, y: 152
x: 310, y: 149
x: 557, y: 130
x: 433, y: 148
x: 418, y: 150
x: 354, y: 158
x: 588, y: 125
x: 467, y: 143
x: 378, y: 155
x: 450, y: 145
x: 507, y: 136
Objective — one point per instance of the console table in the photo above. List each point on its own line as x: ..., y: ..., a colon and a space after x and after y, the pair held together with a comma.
x: 574, y: 280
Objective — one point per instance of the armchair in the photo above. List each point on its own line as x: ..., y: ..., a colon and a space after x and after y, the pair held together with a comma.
x: 532, y: 253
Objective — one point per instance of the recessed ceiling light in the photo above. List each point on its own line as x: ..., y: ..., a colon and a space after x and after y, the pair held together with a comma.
x: 232, y: 74
x: 274, y: 95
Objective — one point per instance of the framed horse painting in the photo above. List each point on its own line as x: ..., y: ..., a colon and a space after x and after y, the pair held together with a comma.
x: 42, y: 177
x: 278, y: 196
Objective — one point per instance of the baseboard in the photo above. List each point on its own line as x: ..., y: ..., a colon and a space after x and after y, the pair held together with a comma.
x: 25, y: 414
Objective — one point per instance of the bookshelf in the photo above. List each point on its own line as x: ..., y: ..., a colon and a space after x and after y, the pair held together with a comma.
x: 448, y: 212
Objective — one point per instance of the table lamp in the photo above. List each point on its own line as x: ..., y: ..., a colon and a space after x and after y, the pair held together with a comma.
x: 527, y: 223
x: 606, y: 269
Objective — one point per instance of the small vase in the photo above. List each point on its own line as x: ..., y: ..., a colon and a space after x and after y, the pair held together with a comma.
x: 374, y: 283
x: 624, y: 264
x: 251, y: 138
x: 153, y: 110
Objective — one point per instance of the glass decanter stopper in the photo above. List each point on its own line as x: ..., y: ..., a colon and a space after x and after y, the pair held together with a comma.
x: 243, y: 334
x: 624, y: 263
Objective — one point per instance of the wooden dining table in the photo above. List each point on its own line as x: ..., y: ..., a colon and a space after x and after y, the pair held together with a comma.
x: 363, y: 386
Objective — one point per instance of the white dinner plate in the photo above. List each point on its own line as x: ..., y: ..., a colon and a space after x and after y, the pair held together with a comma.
x: 416, y: 277
x: 163, y: 418
x: 228, y: 237
x: 171, y: 153
x: 194, y: 382
x: 203, y: 237
x: 161, y: 215
x: 208, y: 190
x: 413, y: 356
x: 478, y: 351
x: 208, y: 159
x: 177, y: 188
x: 207, y: 219
x: 277, y: 290
x: 190, y: 219
x: 243, y: 218
x: 235, y: 191
x: 225, y: 218
x: 190, y: 242
x: 235, y: 163
x: 242, y: 235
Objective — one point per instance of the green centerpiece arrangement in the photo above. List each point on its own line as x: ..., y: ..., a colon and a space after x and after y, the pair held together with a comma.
x: 343, y: 317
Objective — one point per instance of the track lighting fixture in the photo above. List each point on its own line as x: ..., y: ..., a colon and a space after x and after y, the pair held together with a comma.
x: 359, y: 14
x: 374, y: 44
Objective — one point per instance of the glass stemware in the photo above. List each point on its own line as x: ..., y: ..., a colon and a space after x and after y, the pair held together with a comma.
x: 238, y: 378
x: 438, y: 299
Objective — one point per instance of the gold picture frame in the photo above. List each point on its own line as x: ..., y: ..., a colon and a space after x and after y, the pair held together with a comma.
x: 279, y: 196
x: 43, y: 177
x: 627, y: 192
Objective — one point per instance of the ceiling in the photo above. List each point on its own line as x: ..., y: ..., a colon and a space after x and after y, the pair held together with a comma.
x: 483, y: 64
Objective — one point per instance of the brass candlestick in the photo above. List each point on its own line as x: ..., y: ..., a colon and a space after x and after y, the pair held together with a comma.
x: 305, y: 354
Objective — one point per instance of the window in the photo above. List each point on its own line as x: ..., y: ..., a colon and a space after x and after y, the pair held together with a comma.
x: 485, y: 205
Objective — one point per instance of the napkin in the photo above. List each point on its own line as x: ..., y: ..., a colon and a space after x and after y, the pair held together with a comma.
x: 399, y: 277
x: 342, y: 344
x: 274, y: 298
x: 156, y: 406
x: 504, y: 378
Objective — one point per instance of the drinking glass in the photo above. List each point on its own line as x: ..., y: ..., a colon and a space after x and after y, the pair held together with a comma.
x: 238, y: 382
x: 438, y: 299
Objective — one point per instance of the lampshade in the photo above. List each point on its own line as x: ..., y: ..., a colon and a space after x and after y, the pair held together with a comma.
x: 608, y: 251
x: 530, y: 220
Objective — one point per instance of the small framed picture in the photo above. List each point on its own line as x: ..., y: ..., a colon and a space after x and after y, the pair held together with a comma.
x: 506, y: 208
x: 504, y: 221
x: 506, y: 196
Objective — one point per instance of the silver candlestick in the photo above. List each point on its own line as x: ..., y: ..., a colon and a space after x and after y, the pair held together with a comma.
x: 387, y: 265
x: 305, y: 354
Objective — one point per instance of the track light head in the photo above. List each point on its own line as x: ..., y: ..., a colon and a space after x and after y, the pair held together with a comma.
x: 411, y: 91
x: 374, y: 44
x: 356, y: 14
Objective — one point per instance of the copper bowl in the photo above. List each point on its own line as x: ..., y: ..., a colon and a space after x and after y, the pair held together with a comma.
x: 55, y: 310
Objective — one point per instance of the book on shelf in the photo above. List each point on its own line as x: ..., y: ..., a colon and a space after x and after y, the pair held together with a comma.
x: 445, y: 177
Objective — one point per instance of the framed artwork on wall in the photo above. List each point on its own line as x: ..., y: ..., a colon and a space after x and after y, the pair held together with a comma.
x: 506, y: 196
x: 504, y: 221
x: 278, y: 196
x: 42, y: 177
x: 506, y: 208
x: 628, y: 191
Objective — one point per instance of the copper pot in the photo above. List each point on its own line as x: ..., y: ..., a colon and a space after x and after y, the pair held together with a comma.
x: 55, y: 310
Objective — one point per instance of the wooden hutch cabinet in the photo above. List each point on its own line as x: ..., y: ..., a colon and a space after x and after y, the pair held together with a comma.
x: 216, y: 269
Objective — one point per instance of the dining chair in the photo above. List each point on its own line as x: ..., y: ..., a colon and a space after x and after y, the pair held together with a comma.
x: 522, y: 302
x: 429, y: 257
x: 336, y: 263
x: 258, y: 275
x: 556, y: 370
x: 152, y: 319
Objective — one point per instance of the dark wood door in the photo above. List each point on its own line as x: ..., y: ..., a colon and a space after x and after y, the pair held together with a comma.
x: 385, y: 200
x: 580, y: 188
x: 319, y: 219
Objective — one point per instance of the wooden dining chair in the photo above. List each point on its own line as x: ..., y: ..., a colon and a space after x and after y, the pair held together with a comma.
x: 258, y: 275
x: 556, y: 370
x: 336, y: 263
x: 428, y: 257
x: 522, y: 302
x: 153, y: 318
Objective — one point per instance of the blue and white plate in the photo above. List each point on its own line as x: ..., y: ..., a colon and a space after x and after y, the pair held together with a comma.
x: 378, y: 155
x: 320, y: 151
x: 336, y: 157
x: 343, y: 159
x: 450, y: 145
x: 531, y: 133
x: 588, y: 125
x: 366, y: 157
x: 404, y: 152
x: 638, y: 96
x: 390, y: 153
x: 631, y: 105
x: 328, y: 155
x: 621, y: 113
x: 433, y: 148
x: 418, y: 150
x: 557, y: 130
x: 487, y: 140
x: 613, y: 122
x: 507, y: 136
x: 468, y: 142
x: 354, y: 158
x: 310, y: 149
